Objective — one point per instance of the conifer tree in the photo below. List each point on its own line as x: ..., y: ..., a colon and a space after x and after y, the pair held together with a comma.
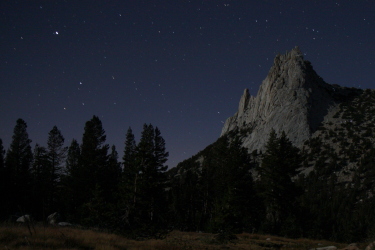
x: 279, y: 164
x: 160, y: 154
x: 158, y: 179
x: 227, y: 188
x: 237, y: 204
x: 129, y: 161
x: 144, y: 179
x: 129, y: 179
x: 18, y: 168
x: 145, y: 162
x: 112, y: 176
x: 56, y: 156
x: 73, y: 158
x: 93, y: 157
x: 101, y: 209
x: 56, y: 151
x: 70, y: 180
x: 92, y: 162
x: 41, y: 184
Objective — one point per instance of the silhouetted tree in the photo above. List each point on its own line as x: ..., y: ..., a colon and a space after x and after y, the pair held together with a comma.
x: 216, y: 194
x: 93, y: 160
x: 129, y: 179
x: 56, y: 157
x: 41, y: 182
x: 73, y: 158
x: 155, y: 173
x: 236, y: 206
x: 17, y: 169
x: 144, y: 179
x: 70, y: 180
x: 111, y: 176
x: 279, y: 164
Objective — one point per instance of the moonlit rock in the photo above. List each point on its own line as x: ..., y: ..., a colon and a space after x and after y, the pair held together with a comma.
x: 292, y: 98
x: 53, y: 218
x: 24, y: 218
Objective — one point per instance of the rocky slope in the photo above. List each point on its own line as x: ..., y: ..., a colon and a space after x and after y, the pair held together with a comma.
x: 334, y: 126
x: 293, y: 98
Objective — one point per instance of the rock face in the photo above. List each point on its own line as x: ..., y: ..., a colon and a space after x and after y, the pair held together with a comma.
x: 292, y: 98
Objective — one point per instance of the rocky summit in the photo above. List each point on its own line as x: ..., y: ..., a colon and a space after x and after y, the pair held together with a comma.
x: 293, y: 98
x: 331, y: 124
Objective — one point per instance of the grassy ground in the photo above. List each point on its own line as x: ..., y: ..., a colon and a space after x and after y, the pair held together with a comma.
x: 20, y: 237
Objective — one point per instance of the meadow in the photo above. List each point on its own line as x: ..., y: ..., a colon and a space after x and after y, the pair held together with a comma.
x: 49, y: 237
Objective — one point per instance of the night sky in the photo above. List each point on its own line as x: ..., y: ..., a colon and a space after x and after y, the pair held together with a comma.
x: 179, y: 65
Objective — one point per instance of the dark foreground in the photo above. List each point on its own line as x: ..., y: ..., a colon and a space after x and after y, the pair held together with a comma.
x: 22, y: 237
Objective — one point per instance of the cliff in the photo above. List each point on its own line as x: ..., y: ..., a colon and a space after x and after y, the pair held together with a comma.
x: 292, y: 98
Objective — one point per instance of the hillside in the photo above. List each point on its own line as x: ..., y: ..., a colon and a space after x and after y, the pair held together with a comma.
x: 329, y: 134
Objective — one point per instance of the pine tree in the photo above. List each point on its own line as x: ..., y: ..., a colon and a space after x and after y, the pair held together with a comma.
x: 185, y: 196
x: 56, y: 151
x: 73, y: 158
x: 129, y: 179
x: 56, y: 156
x: 17, y: 169
x: 41, y: 184
x: 279, y: 164
x: 227, y: 188
x: 160, y: 154
x: 158, y: 179
x: 145, y: 162
x: 71, y: 181
x: 92, y: 172
x: 143, y: 180
x: 112, y: 176
x: 93, y: 156
x: 130, y: 171
x: 238, y: 200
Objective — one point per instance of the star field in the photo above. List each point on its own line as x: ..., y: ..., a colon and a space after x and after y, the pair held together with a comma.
x: 180, y: 65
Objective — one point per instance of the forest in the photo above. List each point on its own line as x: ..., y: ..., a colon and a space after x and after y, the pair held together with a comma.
x: 223, y: 189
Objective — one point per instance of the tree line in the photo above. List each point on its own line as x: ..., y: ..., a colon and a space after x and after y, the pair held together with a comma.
x: 86, y: 183
x: 223, y: 189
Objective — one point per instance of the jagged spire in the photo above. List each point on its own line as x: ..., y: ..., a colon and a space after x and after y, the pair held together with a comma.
x: 243, y: 102
x: 292, y: 98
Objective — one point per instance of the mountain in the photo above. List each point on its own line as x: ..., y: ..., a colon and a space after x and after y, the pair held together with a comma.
x: 297, y: 159
x: 327, y: 122
x: 293, y: 98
